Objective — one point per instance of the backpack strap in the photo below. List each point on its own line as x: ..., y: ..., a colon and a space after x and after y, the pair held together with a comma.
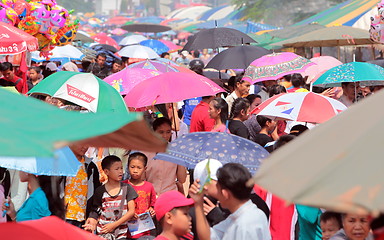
x: 17, y: 81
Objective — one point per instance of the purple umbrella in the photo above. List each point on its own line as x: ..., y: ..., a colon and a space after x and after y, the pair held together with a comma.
x: 154, y: 65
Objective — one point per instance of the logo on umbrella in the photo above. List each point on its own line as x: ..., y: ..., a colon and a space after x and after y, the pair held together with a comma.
x: 74, y: 92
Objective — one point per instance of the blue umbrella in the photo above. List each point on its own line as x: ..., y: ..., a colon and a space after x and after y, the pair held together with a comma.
x: 192, y: 148
x: 64, y: 163
x: 156, y: 45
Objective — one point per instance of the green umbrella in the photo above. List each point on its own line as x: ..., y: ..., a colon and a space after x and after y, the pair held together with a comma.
x: 265, y: 40
x: 31, y: 128
x: 351, y: 72
x: 83, y: 89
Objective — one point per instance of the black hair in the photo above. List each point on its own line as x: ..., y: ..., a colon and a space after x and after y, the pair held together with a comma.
x: 283, y: 140
x: 139, y: 156
x: 262, y: 120
x: 107, y: 162
x: 221, y: 104
x: 232, y: 81
x: 196, y: 54
x: 298, y: 129
x: 118, y: 61
x: 276, y: 89
x: 287, y: 77
x: 297, y: 80
x: 325, y: 216
x: 164, y: 54
x: 252, y: 97
x: 50, y: 185
x: 6, y: 66
x: 238, y: 105
x: 125, y: 59
x: 103, y: 55
x: 163, y: 109
x: 343, y: 84
x: 160, y: 121
x: 37, y: 69
x: 234, y: 177
x: 239, y: 79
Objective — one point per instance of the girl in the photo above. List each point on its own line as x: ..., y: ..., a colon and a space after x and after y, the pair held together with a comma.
x: 239, y: 113
x: 218, y: 110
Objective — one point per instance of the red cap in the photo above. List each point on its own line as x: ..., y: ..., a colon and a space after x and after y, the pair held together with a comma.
x: 170, y: 200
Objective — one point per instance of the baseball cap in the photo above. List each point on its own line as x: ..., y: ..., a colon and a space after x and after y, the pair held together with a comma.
x: 51, y: 66
x: 170, y: 200
x: 214, y: 165
x: 196, y: 63
x: 185, y: 53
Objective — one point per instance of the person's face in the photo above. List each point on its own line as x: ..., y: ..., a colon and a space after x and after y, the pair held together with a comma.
x: 356, y: 227
x: 271, y: 125
x: 165, y: 131
x: 211, y: 189
x: 115, y: 171
x: 245, y: 114
x: 350, y: 90
x: 205, y: 51
x: 244, y: 87
x: 78, y: 149
x: 136, y: 168
x: 269, y: 83
x: 214, y: 113
x: 255, y: 103
x: 23, y: 176
x: 33, y: 75
x: 8, y: 74
x: 365, y: 91
x: 116, y: 67
x: 100, y: 60
x: 181, y: 221
x: 329, y: 228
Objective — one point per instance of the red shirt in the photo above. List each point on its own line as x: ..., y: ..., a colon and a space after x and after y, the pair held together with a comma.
x: 161, y: 238
x: 200, y: 120
x: 19, y: 85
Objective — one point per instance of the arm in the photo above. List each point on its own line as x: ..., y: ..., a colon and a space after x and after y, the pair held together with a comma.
x: 202, y: 226
x: 181, y: 174
x: 91, y: 222
x: 126, y: 217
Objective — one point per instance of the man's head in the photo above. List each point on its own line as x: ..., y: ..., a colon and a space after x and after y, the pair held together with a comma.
x: 165, y: 55
x: 350, y: 89
x: 6, y: 69
x: 101, y: 58
x: 242, y: 86
x: 117, y: 65
x: 112, y: 167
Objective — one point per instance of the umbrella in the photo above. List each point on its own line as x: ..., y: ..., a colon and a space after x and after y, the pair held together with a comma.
x: 138, y: 51
x: 48, y: 228
x: 192, y: 148
x: 156, y: 45
x: 238, y: 57
x: 351, y: 72
x: 127, y: 78
x: 172, y: 47
x: 53, y: 127
x: 103, y: 38
x: 347, y: 175
x: 216, y: 75
x: 64, y: 163
x: 217, y: 37
x: 14, y: 40
x: 104, y: 47
x: 147, y: 28
x: 274, y: 66
x: 118, y: 31
x: 118, y: 20
x: 379, y: 62
x: 154, y: 65
x: 300, y: 106
x: 183, y: 35
x: 170, y: 87
x: 131, y: 40
x: 83, y: 37
x: 83, y: 89
x: 65, y: 53
x: 294, y: 31
x: 323, y: 63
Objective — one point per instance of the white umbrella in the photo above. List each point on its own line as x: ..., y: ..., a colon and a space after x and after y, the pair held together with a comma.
x: 65, y: 53
x: 138, y: 51
x: 131, y: 40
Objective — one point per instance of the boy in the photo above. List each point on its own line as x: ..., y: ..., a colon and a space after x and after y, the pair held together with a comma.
x: 137, y: 164
x: 246, y: 220
x: 113, y: 202
x: 330, y: 223
x: 172, y: 212
x: 267, y: 125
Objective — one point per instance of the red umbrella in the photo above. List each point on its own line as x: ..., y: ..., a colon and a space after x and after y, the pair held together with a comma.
x: 48, y: 228
x: 118, y: 20
x: 104, y: 39
x: 14, y: 40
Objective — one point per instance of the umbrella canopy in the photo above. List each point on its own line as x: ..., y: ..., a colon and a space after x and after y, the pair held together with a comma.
x: 156, y: 45
x: 323, y: 63
x: 127, y: 78
x: 346, y: 176
x: 155, y: 65
x: 65, y: 53
x: 238, y: 57
x: 138, y: 51
x: 118, y: 20
x: 170, y: 87
x: 217, y: 37
x: 351, y: 72
x: 131, y: 40
x: 147, y: 28
x: 104, y: 47
x: 83, y: 89
x: 118, y: 31
x: 172, y: 47
x: 216, y: 75
x: 330, y: 37
x: 294, y: 31
x: 53, y: 127
x: 14, y: 40
x: 103, y: 38
x: 83, y: 37
x: 274, y: 66
x: 190, y: 149
x: 300, y: 106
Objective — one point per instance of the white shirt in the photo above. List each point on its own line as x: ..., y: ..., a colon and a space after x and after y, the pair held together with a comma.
x: 230, y: 99
x: 248, y: 222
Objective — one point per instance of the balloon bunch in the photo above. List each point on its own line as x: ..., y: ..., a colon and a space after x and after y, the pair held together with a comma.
x: 376, y: 30
x: 50, y: 23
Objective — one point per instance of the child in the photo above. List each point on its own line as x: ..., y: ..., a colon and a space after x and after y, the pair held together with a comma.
x: 137, y: 164
x: 113, y: 202
x: 172, y: 212
x: 330, y: 223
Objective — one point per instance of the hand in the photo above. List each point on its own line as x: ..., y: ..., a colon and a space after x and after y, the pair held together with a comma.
x: 107, y: 228
x: 208, y: 206
x: 328, y: 92
x: 135, y: 216
x: 194, y: 192
x: 9, y: 208
x: 152, y: 211
x: 90, y: 225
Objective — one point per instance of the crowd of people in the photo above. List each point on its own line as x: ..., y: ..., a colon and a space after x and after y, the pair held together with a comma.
x: 115, y: 187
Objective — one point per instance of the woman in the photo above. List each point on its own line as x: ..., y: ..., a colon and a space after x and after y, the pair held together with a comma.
x: 239, y: 113
x: 43, y: 199
x: 218, y: 110
x: 35, y: 76
x: 355, y: 227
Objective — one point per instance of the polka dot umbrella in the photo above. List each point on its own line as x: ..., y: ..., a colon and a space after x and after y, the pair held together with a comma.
x: 190, y: 149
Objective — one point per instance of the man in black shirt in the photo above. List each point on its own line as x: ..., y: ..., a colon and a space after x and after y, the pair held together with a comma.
x: 99, y: 68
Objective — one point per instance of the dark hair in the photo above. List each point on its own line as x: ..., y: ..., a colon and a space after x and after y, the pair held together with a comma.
x: 239, y: 79
x: 139, y: 156
x: 252, y: 97
x: 283, y: 140
x: 238, y: 105
x: 107, y: 162
x: 234, y: 177
x: 164, y: 54
x: 262, y: 120
x: 160, y: 121
x: 6, y: 66
x: 163, y: 109
x: 232, y: 81
x: 276, y: 89
x: 287, y: 77
x: 325, y: 216
x: 298, y: 129
x: 196, y: 54
x: 50, y: 185
x: 197, y: 66
x: 222, y: 105
x: 37, y: 69
x: 343, y: 84
x: 297, y: 80
x: 118, y: 61
x: 103, y: 55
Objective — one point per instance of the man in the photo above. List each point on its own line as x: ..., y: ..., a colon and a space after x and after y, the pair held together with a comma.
x: 9, y: 77
x: 99, y: 68
x: 350, y: 90
x: 184, y: 58
x: 200, y: 120
x: 241, y: 89
x: 117, y: 66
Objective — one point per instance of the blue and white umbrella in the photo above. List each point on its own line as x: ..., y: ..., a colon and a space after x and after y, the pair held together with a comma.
x: 190, y: 149
x: 65, y: 53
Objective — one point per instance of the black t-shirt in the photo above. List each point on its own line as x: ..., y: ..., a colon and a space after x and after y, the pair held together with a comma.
x: 238, y: 128
x: 262, y: 139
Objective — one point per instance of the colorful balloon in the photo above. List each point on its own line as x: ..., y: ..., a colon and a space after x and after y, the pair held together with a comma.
x: 8, y: 15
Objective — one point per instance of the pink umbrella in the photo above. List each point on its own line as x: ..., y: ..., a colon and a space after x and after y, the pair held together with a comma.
x: 103, y: 38
x: 323, y: 63
x: 154, y: 65
x: 127, y: 78
x: 274, y: 66
x: 118, y: 31
x: 172, y: 47
x: 170, y: 87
